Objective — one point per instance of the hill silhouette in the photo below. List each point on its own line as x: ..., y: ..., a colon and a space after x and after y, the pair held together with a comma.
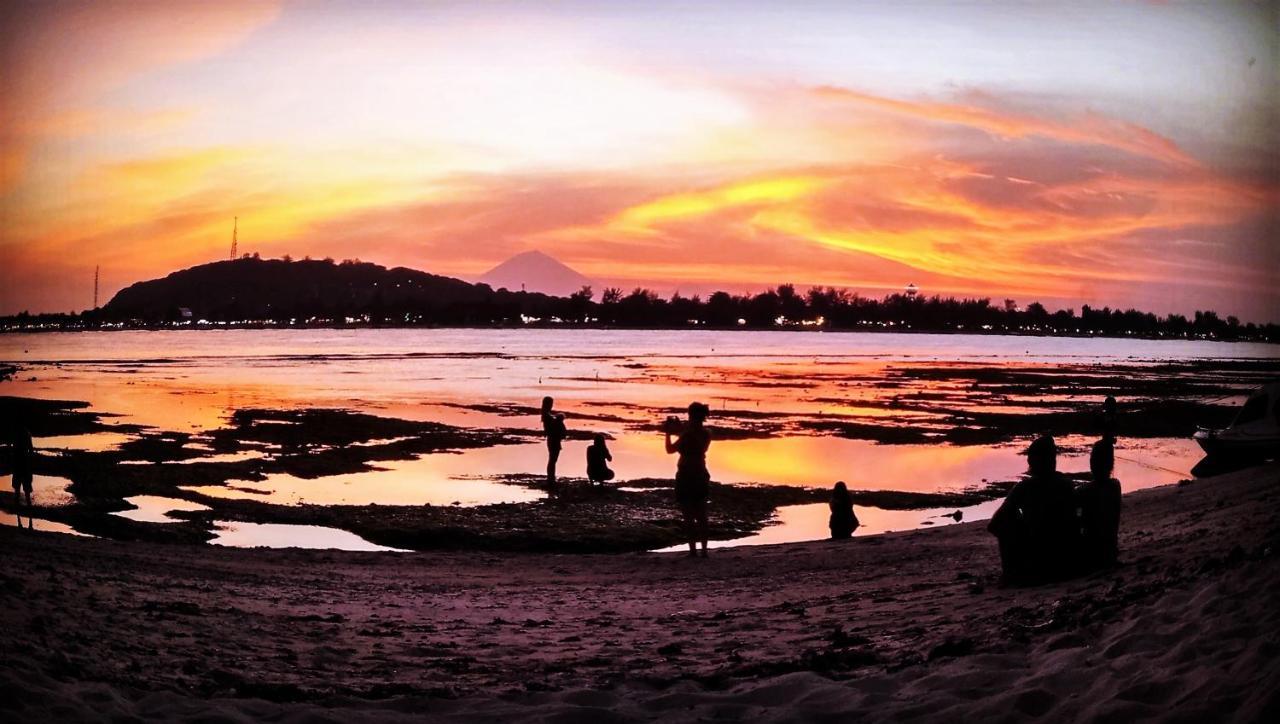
x: 252, y: 288
x: 323, y: 293
x: 536, y: 272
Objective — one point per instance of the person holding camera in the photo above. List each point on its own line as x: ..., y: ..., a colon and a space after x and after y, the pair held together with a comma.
x: 692, y: 479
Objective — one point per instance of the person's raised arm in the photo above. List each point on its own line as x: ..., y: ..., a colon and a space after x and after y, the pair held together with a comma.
x: 672, y: 447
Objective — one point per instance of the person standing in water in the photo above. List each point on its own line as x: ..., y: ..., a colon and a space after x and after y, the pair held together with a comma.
x: 1109, y: 419
x: 843, y: 522
x: 22, y: 454
x: 553, y: 427
x: 693, y: 481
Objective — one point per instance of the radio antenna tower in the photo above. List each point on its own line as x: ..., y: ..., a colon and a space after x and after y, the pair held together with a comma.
x: 96, y: 269
x: 235, y: 229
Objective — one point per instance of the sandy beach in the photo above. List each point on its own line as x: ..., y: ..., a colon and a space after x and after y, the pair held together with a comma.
x: 904, y: 626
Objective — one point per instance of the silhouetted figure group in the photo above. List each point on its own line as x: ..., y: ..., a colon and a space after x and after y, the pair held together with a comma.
x: 692, y: 483
x: 1048, y: 530
x: 555, y: 431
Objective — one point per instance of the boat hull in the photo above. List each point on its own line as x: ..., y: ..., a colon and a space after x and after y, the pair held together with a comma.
x: 1224, y: 442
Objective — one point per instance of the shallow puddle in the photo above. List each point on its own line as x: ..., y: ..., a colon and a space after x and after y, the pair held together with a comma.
x: 88, y: 442
x: 279, y: 535
x: 808, y: 522
x: 48, y: 491
x: 155, y: 508
x: 38, y: 524
x: 428, y: 480
x: 236, y: 457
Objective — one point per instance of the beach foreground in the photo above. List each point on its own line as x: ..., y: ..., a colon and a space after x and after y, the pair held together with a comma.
x: 895, y: 627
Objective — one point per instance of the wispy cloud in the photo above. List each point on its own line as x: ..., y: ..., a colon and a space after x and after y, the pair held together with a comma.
x: 1091, y: 128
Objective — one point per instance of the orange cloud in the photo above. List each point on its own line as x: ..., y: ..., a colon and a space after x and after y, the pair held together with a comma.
x: 60, y: 58
x: 744, y: 193
x: 1090, y: 128
x: 723, y: 185
x: 950, y: 220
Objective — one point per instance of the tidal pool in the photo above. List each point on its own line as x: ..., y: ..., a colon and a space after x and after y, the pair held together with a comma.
x: 279, y: 535
x: 156, y: 508
x: 773, y: 392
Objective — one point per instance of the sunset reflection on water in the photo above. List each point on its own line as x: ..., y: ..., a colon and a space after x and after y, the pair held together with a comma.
x: 622, y: 384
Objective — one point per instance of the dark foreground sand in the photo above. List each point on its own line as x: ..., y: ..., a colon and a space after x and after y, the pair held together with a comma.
x: 906, y: 626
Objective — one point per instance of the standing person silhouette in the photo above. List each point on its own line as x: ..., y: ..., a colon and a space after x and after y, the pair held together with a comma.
x: 692, y: 479
x: 21, y: 453
x: 1110, y: 418
x: 553, y: 427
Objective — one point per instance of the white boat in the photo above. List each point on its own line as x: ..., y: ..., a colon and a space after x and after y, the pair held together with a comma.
x: 1255, y: 432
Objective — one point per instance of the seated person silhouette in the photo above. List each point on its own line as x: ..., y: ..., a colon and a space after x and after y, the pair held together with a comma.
x: 598, y: 458
x: 1109, y: 418
x: 1099, y: 503
x: 1036, y: 525
x: 843, y: 522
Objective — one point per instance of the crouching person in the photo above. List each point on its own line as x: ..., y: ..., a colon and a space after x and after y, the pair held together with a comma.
x: 843, y: 522
x: 598, y: 458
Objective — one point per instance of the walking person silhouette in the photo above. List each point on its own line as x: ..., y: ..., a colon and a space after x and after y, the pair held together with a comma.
x: 692, y: 478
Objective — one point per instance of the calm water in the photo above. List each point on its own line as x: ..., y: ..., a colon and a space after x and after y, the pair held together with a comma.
x: 191, y: 381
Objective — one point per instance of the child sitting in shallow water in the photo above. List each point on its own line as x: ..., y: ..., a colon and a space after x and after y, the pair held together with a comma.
x: 598, y: 458
x: 842, y: 522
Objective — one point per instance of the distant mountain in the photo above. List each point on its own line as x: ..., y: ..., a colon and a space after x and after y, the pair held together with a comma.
x: 251, y: 288
x: 535, y: 272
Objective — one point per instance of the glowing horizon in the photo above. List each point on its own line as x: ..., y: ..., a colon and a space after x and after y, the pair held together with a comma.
x: 1126, y: 157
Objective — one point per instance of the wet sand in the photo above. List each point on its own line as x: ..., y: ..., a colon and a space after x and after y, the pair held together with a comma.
x: 906, y: 626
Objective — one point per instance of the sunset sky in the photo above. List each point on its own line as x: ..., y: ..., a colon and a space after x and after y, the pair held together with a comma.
x: 1119, y: 153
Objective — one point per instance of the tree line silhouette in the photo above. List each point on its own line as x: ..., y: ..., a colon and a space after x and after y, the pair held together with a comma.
x: 282, y: 292
x: 834, y: 308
